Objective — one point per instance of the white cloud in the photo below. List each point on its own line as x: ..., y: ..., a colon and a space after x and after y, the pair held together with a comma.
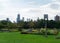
x: 45, y: 9
x: 56, y: 0
x: 11, y: 11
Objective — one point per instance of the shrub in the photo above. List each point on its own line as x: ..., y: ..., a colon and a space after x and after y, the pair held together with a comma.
x: 42, y: 31
x: 52, y: 32
x: 24, y: 32
x: 56, y: 31
x: 49, y: 32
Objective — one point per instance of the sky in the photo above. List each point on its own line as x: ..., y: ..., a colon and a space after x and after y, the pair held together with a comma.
x: 29, y: 9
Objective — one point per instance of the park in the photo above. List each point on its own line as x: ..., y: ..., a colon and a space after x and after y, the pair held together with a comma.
x: 40, y: 31
x: 16, y: 37
x: 29, y: 21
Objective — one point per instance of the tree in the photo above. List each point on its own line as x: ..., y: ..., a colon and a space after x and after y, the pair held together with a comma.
x: 31, y: 24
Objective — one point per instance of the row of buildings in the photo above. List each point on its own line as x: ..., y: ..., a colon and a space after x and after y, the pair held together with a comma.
x: 56, y: 18
x: 18, y: 19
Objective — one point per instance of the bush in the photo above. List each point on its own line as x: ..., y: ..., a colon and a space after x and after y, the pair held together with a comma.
x: 56, y: 31
x: 52, y: 32
x: 24, y: 32
x: 49, y: 32
x: 42, y: 31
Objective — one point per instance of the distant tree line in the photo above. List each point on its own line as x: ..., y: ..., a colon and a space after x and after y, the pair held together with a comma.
x: 39, y: 23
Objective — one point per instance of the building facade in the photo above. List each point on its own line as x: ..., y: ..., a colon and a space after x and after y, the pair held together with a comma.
x: 7, y: 19
x: 57, y: 18
x: 45, y: 16
x: 18, y: 18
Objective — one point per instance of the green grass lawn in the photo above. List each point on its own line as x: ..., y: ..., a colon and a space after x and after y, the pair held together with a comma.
x: 16, y: 37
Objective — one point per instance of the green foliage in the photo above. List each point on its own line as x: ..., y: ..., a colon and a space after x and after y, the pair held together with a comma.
x: 40, y: 23
x: 31, y: 24
x: 49, y: 31
x: 42, y: 31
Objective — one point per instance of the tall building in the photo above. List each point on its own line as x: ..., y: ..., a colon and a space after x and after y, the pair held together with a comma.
x: 7, y: 19
x: 45, y: 16
x: 45, y: 20
x: 57, y: 18
x: 22, y: 18
x: 18, y: 18
x: 28, y: 19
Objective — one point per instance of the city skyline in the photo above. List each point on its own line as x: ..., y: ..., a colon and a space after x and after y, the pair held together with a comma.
x: 29, y: 9
x: 45, y: 17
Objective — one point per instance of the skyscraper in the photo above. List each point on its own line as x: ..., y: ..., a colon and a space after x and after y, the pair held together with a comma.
x: 18, y: 18
x: 57, y: 18
x: 45, y: 16
x: 7, y: 19
x: 22, y: 18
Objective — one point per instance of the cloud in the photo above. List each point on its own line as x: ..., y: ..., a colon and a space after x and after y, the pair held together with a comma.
x: 55, y: 0
x: 55, y: 6
x: 45, y: 9
x: 28, y: 8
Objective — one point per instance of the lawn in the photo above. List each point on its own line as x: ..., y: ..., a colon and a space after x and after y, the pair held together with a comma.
x: 16, y: 37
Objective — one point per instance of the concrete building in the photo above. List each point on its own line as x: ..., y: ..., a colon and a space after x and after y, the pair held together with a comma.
x: 22, y: 18
x: 57, y: 18
x: 18, y: 18
x: 45, y: 16
x: 7, y: 19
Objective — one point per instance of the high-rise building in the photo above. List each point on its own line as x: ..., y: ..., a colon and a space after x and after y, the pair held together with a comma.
x: 57, y: 18
x: 45, y: 16
x: 7, y: 19
x: 18, y: 18
x: 28, y: 19
x: 22, y: 18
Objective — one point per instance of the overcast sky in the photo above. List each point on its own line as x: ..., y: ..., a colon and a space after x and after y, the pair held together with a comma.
x: 29, y: 8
